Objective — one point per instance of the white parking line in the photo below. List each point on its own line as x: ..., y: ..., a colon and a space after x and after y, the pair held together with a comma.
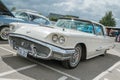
x: 115, y: 65
x: 7, y: 50
x: 63, y: 78
x: 59, y: 71
x: 4, y: 45
x: 51, y: 68
x: 107, y: 71
x: 16, y: 70
x: 9, y: 79
x: 114, y: 51
x: 106, y: 79
x: 118, y: 70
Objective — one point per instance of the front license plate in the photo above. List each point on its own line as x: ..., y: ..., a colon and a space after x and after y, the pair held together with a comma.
x: 22, y: 52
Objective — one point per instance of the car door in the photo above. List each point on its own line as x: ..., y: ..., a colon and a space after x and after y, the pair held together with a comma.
x: 92, y: 42
x: 100, y: 37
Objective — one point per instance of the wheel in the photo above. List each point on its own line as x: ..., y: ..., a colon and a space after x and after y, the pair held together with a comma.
x: 75, y: 59
x: 4, y: 33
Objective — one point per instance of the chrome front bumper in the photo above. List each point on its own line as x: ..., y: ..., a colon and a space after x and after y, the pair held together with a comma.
x: 54, y: 53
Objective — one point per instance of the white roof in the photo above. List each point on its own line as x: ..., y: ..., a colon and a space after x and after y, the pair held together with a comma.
x: 32, y: 12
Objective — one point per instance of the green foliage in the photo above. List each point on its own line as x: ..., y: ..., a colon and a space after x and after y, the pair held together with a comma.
x: 108, y: 20
x: 70, y: 16
x: 53, y: 19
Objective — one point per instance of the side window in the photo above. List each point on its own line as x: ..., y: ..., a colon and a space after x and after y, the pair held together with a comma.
x: 23, y: 16
x: 85, y: 27
x: 32, y: 17
x: 41, y: 21
x: 99, y: 30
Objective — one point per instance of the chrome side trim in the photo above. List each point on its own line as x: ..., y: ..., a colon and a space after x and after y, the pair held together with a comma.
x: 62, y: 53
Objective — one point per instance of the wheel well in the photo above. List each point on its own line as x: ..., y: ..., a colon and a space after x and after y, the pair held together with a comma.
x: 84, y: 50
x: 3, y: 26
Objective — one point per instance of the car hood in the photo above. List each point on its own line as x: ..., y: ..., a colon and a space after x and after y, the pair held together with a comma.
x: 4, y: 10
x: 42, y: 32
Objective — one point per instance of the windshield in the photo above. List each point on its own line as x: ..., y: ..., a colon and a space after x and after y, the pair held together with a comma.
x: 76, y: 25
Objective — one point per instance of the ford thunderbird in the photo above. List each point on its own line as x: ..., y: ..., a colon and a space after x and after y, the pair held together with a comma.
x: 70, y: 41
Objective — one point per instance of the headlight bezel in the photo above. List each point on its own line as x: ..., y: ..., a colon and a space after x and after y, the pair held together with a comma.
x: 55, y: 38
x: 61, y: 40
x: 58, y: 39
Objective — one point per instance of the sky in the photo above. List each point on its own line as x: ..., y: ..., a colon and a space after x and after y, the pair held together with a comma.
x: 85, y: 9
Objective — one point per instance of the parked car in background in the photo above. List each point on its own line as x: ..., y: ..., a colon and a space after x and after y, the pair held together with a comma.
x: 118, y: 38
x: 70, y: 41
x: 27, y: 17
x: 6, y: 17
x: 31, y: 16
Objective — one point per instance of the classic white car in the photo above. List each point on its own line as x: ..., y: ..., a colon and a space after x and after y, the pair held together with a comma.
x: 70, y: 41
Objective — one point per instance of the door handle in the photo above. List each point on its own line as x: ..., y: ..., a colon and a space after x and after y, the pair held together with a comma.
x: 99, y: 49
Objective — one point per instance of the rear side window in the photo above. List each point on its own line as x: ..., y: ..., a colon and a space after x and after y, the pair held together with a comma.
x: 41, y: 20
x: 85, y: 27
x: 98, y: 30
x: 22, y: 15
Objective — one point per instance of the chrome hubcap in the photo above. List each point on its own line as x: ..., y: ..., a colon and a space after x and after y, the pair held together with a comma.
x: 4, y: 33
x: 76, y: 57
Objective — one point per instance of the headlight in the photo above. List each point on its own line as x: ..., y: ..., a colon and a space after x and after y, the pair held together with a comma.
x: 61, y: 40
x: 55, y: 38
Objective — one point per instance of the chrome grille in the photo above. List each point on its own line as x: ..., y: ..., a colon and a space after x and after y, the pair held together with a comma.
x: 27, y: 44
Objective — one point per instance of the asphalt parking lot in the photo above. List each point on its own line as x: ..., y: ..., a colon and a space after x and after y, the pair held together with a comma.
x: 13, y: 67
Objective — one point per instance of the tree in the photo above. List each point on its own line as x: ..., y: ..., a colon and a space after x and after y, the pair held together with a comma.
x: 53, y: 19
x: 108, y: 20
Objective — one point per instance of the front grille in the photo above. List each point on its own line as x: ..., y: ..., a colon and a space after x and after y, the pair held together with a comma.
x: 27, y: 44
